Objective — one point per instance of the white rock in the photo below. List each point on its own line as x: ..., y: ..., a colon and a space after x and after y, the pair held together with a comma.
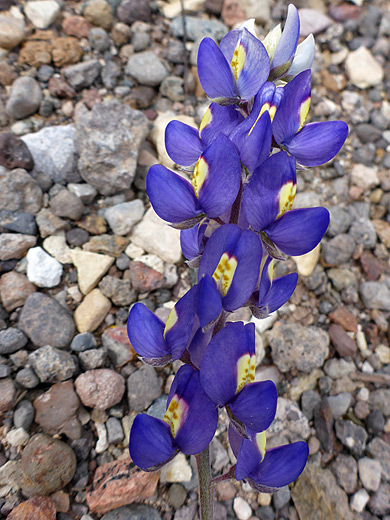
x: 122, y: 217
x: 306, y: 263
x: 177, y: 470
x: 242, y: 509
x: 17, y: 437
x: 133, y: 251
x: 102, y: 443
x: 85, y: 192
x: 152, y: 261
x: 155, y: 236
x: 364, y: 177
x: 42, y: 269
x: 42, y: 13
x: 170, y: 275
x: 263, y: 325
x: 56, y: 246
x: 359, y: 500
x: 91, y: 267
x: 362, y: 68
x: 370, y: 473
x: 383, y: 353
x: 257, y: 9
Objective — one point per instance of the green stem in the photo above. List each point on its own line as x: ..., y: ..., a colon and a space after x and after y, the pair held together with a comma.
x: 205, y: 492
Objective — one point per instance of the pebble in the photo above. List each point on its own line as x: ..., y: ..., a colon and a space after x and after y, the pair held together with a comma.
x: 346, y: 470
x: 109, y: 169
x: 76, y: 26
x: 24, y: 415
x: 42, y: 269
x: 369, y: 473
x: 91, y: 359
x: 76, y: 237
x: 362, y: 68
x: 36, y: 508
x: 312, y: 21
x: 56, y: 246
x: 14, y: 153
x: 380, y: 400
x: 135, y: 512
x: 117, y: 344
x: 85, y: 192
x: 338, y: 250
x: 113, y: 245
x: 102, y: 442
x: 99, y: 39
x: 340, y: 403
x: 42, y: 13
x: 91, y: 267
x: 39, y: 320
x: 52, y: 365
x: 198, y: 28
x: 359, y: 500
x: 341, y: 341
x: 130, y: 11
x: 25, y: 98
x: 100, y: 388
x: 15, y: 246
x: 114, y: 431
x: 53, y: 151
x: 11, y: 340
x: 379, y: 503
x: 19, y: 191
x: 144, y: 278
x: 375, y: 295
x: 82, y: 74
x: 146, y: 68
x: 17, y: 437
x: 380, y: 451
x: 122, y: 217
x: 27, y: 378
x: 92, y: 311
x: 83, y: 342
x: 363, y: 232
x: 99, y: 13
x: 143, y: 387
x: 47, y: 465
x: 295, y: 346
x: 177, y: 470
x: 18, y: 222
x: 12, y: 32
x: 14, y: 290
x: 7, y: 394
x: 242, y: 509
x: 67, y: 204
x: 65, y: 51
x: 353, y: 437
x: 289, y: 422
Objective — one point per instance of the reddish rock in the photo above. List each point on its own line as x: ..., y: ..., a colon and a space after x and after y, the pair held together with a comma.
x: 14, y: 152
x: 232, y: 12
x: 371, y: 266
x: 346, y: 319
x: 91, y: 97
x: 14, y: 290
x: 7, y: 74
x: 100, y: 388
x: 66, y: 51
x: 116, y: 341
x: 344, y: 345
x: 58, y: 87
x: 7, y: 394
x: 76, y: 26
x: 144, y: 278
x: 345, y: 11
x: 36, y: 508
x: 119, y: 483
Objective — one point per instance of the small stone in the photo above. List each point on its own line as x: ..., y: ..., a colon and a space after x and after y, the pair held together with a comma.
x: 375, y: 295
x: 346, y: 319
x: 197, y: 28
x: 352, y: 436
x: 25, y: 98
x: 369, y: 473
x: 52, y: 365
x: 11, y: 340
x: 383, y: 230
x: 122, y: 217
x: 119, y: 483
x: 47, y: 465
x: 344, y: 344
x: 289, y: 422
x: 19, y: 191
x: 56, y: 246
x: 143, y: 387
x: 338, y: 250
x: 7, y: 394
x: 85, y: 192
x: 100, y: 388
x: 364, y: 177
x: 172, y: 87
x: 56, y: 409
x: 36, y: 508
x: 380, y: 451
x: 14, y: 153
x: 340, y: 403
x: 92, y: 311
x: 77, y: 237
x: 76, y: 26
x: 242, y: 509
x: 82, y: 74
x: 42, y: 13
x: 145, y: 279
x: 66, y: 51
x: 67, y: 204
x: 42, y: 269
x: 135, y: 512
x: 27, y: 378
x: 7, y: 74
x: 115, y: 340
x: 15, y: 246
x: 379, y: 503
x: 35, y: 53
x: 91, y: 267
x: 17, y: 437
x: 146, y: 68
x: 102, y: 442
x: 282, y: 497
x: 130, y: 11
x: 345, y: 469
x: 177, y: 470
x: 12, y: 31
x: 99, y: 13
x: 14, y: 290
x: 24, y: 415
x: 49, y: 224
x: 91, y: 359
x: 359, y: 500
x: 113, y: 245
x: 83, y: 342
x: 99, y: 39
x: 375, y: 422
x: 39, y: 320
x: 312, y: 21
x: 362, y: 68
x: 380, y: 400
x: 114, y: 431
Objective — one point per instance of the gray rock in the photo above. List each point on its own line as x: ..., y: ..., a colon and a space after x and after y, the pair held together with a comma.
x: 354, y: 437
x: 198, y: 28
x: 83, y: 341
x: 99, y: 40
x: 340, y: 403
x: 294, y: 346
x: 375, y: 295
x: 109, y: 169
x: 119, y: 291
x: 140, y: 41
x: 11, y: 340
x: 19, y: 191
x: 159, y: 407
x: 53, y: 151
x: 172, y: 87
x: 375, y: 422
x: 338, y: 250
x: 379, y: 503
x: 82, y: 74
x: 94, y: 358
x: 380, y: 400
x: 135, y: 512
x: 143, y: 387
x: 289, y: 424
x: 130, y: 11
x: 67, y: 204
x: 342, y: 278
x: 116, y: 342
x: 27, y: 378
x: 5, y: 371
x: 50, y: 224
x: 52, y: 365
x: 309, y: 400
x: 24, y: 415
x: 40, y: 319
x: 85, y: 192
x: 110, y: 73
x: 345, y: 469
x: 369, y: 473
x: 15, y: 246
x: 368, y: 133
x: 337, y: 368
x: 146, y: 68
x: 114, y: 431
x: 380, y: 450
x: 363, y: 232
x: 122, y: 217
x: 25, y: 98
x: 282, y: 497
x: 18, y: 222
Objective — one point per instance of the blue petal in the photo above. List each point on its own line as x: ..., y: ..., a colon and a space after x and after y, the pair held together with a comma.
x: 287, y: 44
x: 219, y: 119
x: 281, y: 290
x: 192, y: 240
x: 177, y: 332
x: 145, y: 331
x: 183, y: 143
x: 209, y: 302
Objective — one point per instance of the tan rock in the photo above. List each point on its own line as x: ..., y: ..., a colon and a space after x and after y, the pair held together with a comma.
x: 306, y: 263
x: 117, y: 484
x: 92, y: 311
x: 91, y: 267
x: 76, y: 26
x: 100, y: 388
x: 15, y: 245
x: 383, y: 230
x: 35, y: 53
x: 36, y: 508
x: 99, y: 13
x: 66, y: 51
x: 11, y: 31
x: 7, y: 394
x: 364, y: 177
x: 15, y: 288
x: 362, y: 68
x: 56, y: 246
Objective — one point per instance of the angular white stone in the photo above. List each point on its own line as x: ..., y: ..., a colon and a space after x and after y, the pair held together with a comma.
x: 177, y: 470
x: 17, y: 437
x: 122, y: 217
x: 364, y: 177
x: 370, y: 473
x: 56, y: 246
x: 359, y: 500
x: 42, y: 269
x: 363, y: 69
x: 91, y: 267
x: 42, y: 13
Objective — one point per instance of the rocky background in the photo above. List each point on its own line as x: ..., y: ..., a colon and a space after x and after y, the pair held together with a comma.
x: 86, y: 92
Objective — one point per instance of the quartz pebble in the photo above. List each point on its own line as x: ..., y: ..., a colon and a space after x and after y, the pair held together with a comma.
x: 42, y: 269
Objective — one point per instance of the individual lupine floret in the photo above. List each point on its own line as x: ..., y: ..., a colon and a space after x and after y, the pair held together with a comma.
x: 234, y: 71
x: 213, y: 188
x: 188, y: 426
x: 267, y: 203
x: 232, y: 257
x: 311, y: 144
x: 227, y: 375
x: 267, y: 470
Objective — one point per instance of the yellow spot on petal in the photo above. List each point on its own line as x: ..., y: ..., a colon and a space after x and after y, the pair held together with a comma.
x: 261, y: 444
x: 271, y: 271
x: 176, y: 414
x: 238, y: 60
x: 224, y: 272
x: 246, y: 366
x: 271, y: 109
x: 171, y: 321
x: 200, y: 174
x: 303, y: 111
x: 206, y: 120
x: 286, y: 197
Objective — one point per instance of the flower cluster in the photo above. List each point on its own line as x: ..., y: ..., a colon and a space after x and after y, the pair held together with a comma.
x: 235, y: 212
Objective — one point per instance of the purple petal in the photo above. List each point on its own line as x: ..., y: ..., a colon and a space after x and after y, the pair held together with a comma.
x: 299, y: 231
x: 248, y: 459
x: 318, y: 143
x: 255, y: 405
x: 171, y: 196
x: 287, y: 44
x: 219, y: 119
x: 145, y: 331
x: 209, y: 303
x: 229, y: 43
x: 215, y: 74
x: 180, y: 323
x: 151, y: 442
x: 281, y: 290
x: 191, y: 241
x: 183, y: 143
